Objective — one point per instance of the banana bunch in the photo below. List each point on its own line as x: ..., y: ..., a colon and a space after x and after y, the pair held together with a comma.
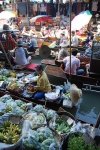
x: 12, y: 74
x: 24, y: 106
x: 11, y: 85
x: 9, y: 132
x: 8, y: 109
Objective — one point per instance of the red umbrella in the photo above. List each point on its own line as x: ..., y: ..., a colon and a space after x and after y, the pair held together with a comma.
x: 40, y: 18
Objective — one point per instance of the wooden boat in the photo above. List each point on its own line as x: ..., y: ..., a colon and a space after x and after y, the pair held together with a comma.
x: 77, y: 79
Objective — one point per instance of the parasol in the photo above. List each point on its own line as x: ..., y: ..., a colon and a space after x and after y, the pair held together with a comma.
x: 40, y: 18
x: 4, y: 15
x: 81, y: 20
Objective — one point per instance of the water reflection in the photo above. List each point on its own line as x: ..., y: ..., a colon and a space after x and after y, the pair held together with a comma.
x: 88, y: 107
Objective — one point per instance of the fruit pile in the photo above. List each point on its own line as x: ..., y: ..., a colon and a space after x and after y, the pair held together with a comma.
x: 9, y: 132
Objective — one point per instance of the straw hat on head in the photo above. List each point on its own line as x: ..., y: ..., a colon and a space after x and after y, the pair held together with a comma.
x: 63, y: 32
x: 75, y: 93
x: 19, y: 43
x: 65, y: 43
x: 98, y: 26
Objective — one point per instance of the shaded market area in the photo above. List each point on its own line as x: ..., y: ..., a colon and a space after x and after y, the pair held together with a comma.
x: 49, y: 75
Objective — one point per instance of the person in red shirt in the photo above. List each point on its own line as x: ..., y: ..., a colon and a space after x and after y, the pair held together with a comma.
x: 7, y: 41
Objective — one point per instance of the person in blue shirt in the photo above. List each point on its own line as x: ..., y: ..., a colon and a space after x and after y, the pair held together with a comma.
x: 21, y: 55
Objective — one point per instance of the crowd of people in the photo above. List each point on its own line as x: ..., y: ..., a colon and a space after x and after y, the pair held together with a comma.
x: 16, y: 37
x: 22, y: 43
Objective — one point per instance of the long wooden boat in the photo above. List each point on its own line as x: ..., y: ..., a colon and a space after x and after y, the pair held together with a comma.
x: 78, y: 79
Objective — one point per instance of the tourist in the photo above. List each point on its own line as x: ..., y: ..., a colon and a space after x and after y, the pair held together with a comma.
x: 75, y: 64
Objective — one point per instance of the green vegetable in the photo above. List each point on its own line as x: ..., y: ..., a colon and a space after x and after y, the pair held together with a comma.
x: 49, y: 144
x: 30, y: 144
x: 5, y: 72
x: 62, y: 126
x: 75, y: 142
x: 44, y: 133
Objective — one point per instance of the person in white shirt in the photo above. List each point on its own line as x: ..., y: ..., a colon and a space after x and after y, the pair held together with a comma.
x: 63, y: 51
x: 62, y: 37
x: 74, y: 39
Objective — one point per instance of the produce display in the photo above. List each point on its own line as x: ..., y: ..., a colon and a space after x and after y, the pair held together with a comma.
x: 3, y: 78
x: 9, y: 132
x: 36, y: 133
x: 66, y: 94
x: 29, y: 89
x: 41, y: 125
x: 14, y: 81
x: 9, y: 105
x: 61, y: 126
x: 40, y: 139
x: 4, y: 72
x: 75, y: 142
x: 14, y: 85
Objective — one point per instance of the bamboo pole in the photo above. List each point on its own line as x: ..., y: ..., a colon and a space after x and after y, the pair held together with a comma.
x: 70, y: 38
x: 6, y: 55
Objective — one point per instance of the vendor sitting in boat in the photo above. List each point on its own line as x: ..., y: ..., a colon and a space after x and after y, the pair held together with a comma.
x: 21, y: 55
x: 63, y: 50
x: 42, y: 84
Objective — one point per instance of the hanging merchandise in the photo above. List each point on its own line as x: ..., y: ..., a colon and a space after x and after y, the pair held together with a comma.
x: 43, y: 9
x: 94, y: 6
x: 22, y: 9
x: 87, y: 1
x: 78, y: 7
x: 48, y: 9
x: 47, y: 1
x: 34, y: 9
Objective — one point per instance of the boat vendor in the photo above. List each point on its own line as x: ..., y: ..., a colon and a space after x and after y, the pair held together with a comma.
x: 32, y: 32
x: 63, y: 50
x: 21, y: 55
x: 74, y: 39
x: 75, y: 64
x: 24, y: 32
x: 88, y: 51
x: 42, y: 84
x: 62, y: 37
x: 58, y: 40
x: 7, y: 41
x: 33, y: 44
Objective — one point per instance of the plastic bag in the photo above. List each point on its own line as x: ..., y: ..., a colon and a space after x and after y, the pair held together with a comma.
x: 38, y: 108
x: 38, y: 121
x: 30, y: 138
x: 50, y: 144
x: 51, y: 114
x: 2, y: 106
x: 5, y: 98
x: 67, y: 85
x: 44, y: 133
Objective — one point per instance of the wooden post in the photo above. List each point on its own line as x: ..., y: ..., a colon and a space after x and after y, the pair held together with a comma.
x: 70, y: 37
x: 6, y: 55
